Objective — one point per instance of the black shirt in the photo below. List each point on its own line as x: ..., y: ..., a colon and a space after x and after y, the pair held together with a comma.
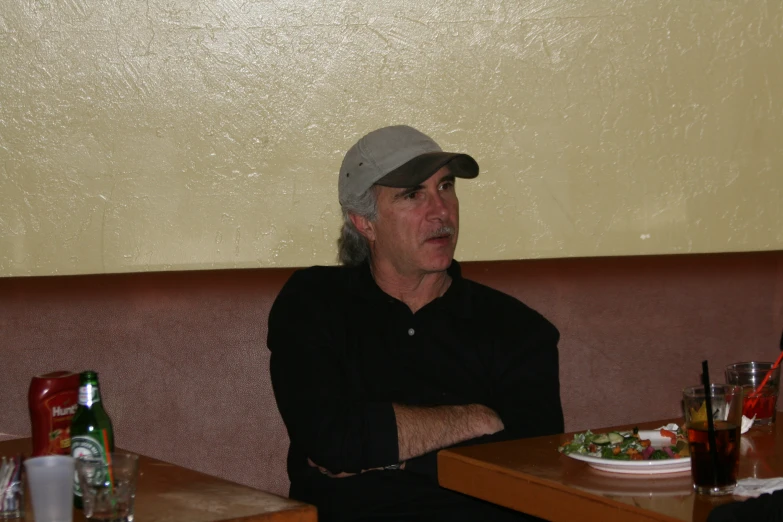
x: 343, y: 352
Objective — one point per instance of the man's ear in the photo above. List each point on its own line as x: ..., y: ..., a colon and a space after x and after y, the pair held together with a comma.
x: 364, y: 226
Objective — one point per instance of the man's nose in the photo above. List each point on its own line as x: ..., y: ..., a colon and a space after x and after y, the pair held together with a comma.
x: 438, y: 207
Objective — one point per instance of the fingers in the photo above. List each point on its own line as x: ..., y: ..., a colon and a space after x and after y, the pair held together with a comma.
x: 326, y: 472
x: 342, y: 474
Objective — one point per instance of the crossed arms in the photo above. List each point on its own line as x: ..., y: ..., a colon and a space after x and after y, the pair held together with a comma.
x: 423, y: 430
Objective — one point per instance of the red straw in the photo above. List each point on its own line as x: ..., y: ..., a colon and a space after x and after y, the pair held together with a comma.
x: 108, y: 459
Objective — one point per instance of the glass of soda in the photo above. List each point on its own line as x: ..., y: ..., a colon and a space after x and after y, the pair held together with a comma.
x: 714, y: 472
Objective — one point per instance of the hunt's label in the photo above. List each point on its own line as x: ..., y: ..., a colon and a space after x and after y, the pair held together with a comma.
x: 61, y: 409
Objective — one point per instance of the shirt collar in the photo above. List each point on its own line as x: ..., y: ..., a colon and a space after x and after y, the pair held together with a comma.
x: 456, y: 298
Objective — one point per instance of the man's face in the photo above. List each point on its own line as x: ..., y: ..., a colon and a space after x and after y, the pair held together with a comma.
x: 416, y: 229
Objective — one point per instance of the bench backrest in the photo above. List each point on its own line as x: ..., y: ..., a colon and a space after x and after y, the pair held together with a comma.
x: 183, y: 362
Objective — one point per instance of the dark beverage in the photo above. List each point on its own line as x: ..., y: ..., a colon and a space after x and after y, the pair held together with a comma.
x: 706, y: 478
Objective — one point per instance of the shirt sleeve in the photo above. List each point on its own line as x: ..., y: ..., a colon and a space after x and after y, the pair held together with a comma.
x: 526, y: 390
x: 767, y: 508
x: 325, y: 418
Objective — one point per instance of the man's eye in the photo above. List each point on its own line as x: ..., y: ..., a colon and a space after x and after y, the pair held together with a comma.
x: 447, y: 185
x: 410, y: 195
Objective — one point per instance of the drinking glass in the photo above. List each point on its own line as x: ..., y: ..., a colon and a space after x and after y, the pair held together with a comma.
x: 108, y: 487
x: 750, y: 375
x: 714, y: 472
x: 11, y: 499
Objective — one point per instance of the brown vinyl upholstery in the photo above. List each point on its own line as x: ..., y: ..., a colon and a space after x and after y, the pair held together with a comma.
x: 183, y: 363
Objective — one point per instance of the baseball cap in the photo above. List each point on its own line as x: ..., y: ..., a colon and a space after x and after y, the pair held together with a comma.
x: 397, y: 156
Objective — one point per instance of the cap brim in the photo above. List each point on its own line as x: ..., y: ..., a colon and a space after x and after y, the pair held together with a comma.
x: 419, y: 169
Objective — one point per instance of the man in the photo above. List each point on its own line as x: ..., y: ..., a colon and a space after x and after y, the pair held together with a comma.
x: 379, y: 363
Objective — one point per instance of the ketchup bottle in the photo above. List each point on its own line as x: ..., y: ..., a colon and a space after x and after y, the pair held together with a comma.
x: 53, y: 398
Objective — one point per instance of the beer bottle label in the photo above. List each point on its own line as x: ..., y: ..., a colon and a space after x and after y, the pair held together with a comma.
x: 84, y: 446
x: 88, y: 394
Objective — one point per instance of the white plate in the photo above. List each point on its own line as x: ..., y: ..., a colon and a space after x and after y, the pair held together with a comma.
x: 619, y: 485
x: 636, y: 467
x: 639, y: 467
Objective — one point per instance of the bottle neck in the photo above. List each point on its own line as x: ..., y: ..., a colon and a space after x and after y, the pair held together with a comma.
x: 89, y: 394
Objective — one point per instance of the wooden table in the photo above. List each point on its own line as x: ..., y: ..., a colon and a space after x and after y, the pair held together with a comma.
x: 529, y: 475
x: 170, y: 493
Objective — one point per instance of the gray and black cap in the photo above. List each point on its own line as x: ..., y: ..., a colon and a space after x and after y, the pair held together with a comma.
x: 397, y: 156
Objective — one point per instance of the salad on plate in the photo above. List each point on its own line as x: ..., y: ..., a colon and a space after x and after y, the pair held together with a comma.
x: 668, y: 442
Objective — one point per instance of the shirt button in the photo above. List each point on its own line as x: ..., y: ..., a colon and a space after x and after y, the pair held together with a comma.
x: 411, y: 331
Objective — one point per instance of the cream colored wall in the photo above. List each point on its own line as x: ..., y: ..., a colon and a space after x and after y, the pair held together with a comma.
x: 174, y: 134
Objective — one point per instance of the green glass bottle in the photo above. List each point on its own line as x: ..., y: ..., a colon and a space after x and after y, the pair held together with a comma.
x: 92, y: 435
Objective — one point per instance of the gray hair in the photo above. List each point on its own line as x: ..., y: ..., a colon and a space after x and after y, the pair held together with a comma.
x: 352, y: 247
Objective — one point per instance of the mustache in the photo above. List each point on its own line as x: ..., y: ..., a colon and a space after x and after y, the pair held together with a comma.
x: 444, y: 230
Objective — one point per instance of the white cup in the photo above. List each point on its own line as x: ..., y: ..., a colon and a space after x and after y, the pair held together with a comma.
x: 51, y: 487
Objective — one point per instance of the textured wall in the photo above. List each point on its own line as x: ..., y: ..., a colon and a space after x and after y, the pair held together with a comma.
x: 174, y: 134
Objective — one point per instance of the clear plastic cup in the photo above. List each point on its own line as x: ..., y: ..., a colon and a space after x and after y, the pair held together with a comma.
x: 51, y: 487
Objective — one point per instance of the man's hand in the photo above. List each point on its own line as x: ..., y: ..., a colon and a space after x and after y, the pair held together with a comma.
x: 327, y: 472
x: 342, y: 474
x: 422, y: 430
